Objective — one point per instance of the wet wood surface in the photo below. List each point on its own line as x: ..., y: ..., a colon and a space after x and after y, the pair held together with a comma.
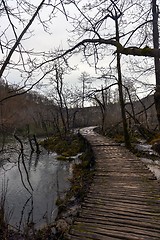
x: 124, y: 199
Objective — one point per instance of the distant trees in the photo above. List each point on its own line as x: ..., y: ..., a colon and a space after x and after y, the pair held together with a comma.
x: 103, y: 104
x: 100, y: 29
x: 127, y: 36
x: 66, y: 100
x: 29, y: 110
x: 85, y: 80
x: 59, y: 98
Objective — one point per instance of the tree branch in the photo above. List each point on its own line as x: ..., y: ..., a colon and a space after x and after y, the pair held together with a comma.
x: 6, y: 62
x: 134, y: 51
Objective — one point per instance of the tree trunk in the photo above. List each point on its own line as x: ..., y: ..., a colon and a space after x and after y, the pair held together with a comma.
x: 120, y: 88
x: 155, y: 12
x: 37, y: 144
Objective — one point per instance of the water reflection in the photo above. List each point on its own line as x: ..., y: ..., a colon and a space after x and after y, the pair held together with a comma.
x: 34, y: 183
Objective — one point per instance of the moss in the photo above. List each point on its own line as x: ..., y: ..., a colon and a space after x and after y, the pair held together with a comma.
x: 82, y: 176
x: 82, y: 173
x: 146, y: 50
x: 61, y: 158
x: 155, y: 139
x: 119, y: 138
x: 69, y: 145
x: 44, y: 233
x: 59, y: 201
x: 65, y: 154
x: 81, y: 180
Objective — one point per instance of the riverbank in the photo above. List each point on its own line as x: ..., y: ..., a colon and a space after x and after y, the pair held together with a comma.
x: 123, y: 201
x: 69, y: 204
x: 83, y: 172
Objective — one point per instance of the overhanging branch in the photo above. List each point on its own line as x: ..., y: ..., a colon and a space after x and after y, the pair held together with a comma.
x: 134, y: 51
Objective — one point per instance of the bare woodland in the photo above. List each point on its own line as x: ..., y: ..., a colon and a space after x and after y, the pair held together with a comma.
x: 42, y: 91
x: 126, y: 31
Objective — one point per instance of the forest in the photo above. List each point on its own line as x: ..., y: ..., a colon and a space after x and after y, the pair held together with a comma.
x: 68, y: 64
x: 119, y: 39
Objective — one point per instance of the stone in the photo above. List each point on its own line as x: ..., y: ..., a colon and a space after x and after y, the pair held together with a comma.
x: 62, y: 226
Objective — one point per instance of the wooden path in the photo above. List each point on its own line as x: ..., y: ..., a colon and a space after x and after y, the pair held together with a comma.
x: 124, y: 199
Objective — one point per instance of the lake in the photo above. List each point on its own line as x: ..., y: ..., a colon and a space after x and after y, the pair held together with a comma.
x: 32, y: 188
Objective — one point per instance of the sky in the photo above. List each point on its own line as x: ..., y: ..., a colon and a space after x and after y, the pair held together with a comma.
x: 59, y: 30
x: 59, y: 38
x: 56, y: 38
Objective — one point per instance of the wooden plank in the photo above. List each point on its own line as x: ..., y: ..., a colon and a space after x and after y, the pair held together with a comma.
x: 123, y: 201
x: 115, y: 198
x: 148, y: 228
x: 152, y: 222
x: 126, y: 230
x: 132, y: 210
x: 101, y: 234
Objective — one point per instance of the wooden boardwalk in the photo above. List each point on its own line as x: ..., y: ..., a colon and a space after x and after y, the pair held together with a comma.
x: 124, y: 200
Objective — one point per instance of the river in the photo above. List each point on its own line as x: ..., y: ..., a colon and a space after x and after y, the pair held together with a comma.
x: 31, y: 195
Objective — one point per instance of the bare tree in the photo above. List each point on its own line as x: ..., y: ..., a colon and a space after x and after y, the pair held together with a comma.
x: 155, y: 13
x: 86, y: 80
x: 18, y: 18
x: 18, y: 39
x: 59, y: 97
x: 96, y: 39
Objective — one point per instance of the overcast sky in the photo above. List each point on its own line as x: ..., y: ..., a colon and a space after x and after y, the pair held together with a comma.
x: 59, y: 29
x: 59, y: 33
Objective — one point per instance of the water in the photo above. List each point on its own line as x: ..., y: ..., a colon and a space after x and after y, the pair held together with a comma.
x: 147, y: 148
x: 47, y: 177
x: 153, y: 165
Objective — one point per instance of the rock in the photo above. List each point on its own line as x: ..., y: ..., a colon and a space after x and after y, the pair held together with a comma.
x: 62, y: 226
x: 156, y: 147
x: 69, y: 220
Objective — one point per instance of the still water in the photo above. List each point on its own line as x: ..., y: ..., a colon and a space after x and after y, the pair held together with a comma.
x: 32, y: 189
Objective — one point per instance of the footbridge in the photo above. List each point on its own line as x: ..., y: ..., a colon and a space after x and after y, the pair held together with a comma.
x: 123, y: 201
